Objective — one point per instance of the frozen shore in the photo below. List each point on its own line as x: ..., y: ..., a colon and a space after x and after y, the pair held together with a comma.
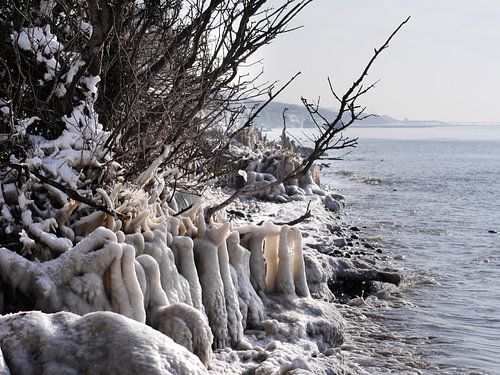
x: 297, y: 335
x: 347, y: 273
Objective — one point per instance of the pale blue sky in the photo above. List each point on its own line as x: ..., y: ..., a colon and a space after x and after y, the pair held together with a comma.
x: 443, y: 65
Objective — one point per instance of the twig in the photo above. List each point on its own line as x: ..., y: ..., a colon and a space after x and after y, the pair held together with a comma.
x: 184, y: 210
x: 298, y: 220
x: 263, y: 105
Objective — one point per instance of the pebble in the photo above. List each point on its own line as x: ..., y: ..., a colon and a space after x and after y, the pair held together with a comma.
x: 340, y: 242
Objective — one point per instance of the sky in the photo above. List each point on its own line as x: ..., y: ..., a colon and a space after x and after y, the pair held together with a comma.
x: 443, y: 65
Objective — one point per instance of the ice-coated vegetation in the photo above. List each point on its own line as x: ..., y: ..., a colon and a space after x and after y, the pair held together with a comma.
x: 118, y: 129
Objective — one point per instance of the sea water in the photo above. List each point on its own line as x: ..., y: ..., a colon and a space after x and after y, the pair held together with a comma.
x: 432, y: 194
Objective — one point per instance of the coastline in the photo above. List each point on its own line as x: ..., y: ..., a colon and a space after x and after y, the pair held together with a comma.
x: 348, y: 274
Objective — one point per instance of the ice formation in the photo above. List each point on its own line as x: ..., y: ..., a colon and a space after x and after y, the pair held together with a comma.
x: 262, y: 162
x: 97, y: 343
x: 198, y: 290
x: 131, y: 249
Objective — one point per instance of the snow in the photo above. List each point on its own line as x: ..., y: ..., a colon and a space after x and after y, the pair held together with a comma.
x: 73, y: 70
x: 25, y: 123
x: 4, y: 107
x: 41, y: 42
x: 97, y: 343
x: 86, y: 28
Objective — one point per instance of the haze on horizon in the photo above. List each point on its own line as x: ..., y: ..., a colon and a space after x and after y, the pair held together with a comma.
x: 443, y: 65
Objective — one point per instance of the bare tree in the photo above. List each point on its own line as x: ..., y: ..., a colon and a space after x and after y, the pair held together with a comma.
x: 168, y: 71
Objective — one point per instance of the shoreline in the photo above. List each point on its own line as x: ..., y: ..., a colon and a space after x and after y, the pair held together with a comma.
x: 337, y: 255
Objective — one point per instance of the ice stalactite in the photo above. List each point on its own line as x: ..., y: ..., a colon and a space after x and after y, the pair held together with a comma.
x: 271, y: 248
x: 276, y: 259
x: 253, y: 240
x: 298, y: 265
x: 184, y: 258
x: 251, y: 306
x: 284, y: 277
x: 175, y: 285
x: 206, y: 255
x: 234, y: 317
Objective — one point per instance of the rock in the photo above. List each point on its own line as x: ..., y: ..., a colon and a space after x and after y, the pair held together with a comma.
x: 492, y: 231
x: 340, y: 242
x: 332, y: 205
x: 339, y: 198
x: 351, y: 276
x: 334, y: 228
x: 354, y: 229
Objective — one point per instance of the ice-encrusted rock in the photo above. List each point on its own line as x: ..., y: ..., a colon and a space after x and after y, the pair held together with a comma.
x: 97, y: 343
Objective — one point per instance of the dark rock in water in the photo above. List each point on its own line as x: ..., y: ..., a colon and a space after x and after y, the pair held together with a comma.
x: 355, y: 229
x: 369, y: 246
x: 492, y: 231
x: 379, y: 251
x: 337, y: 252
x: 332, y: 205
x: 334, y: 228
x: 338, y: 198
x: 340, y: 242
x: 354, y: 277
x: 354, y: 237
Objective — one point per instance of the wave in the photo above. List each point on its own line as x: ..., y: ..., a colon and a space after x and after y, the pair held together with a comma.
x: 359, y: 177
